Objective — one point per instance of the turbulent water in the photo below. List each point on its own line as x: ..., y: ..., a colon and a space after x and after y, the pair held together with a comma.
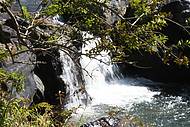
x: 134, y: 96
x: 111, y: 92
x: 69, y: 76
x: 104, y: 91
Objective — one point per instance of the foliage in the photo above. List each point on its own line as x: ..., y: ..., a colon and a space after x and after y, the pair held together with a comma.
x: 140, y: 30
x: 3, y: 54
x: 13, y: 79
x: 26, y: 13
x: 17, y: 112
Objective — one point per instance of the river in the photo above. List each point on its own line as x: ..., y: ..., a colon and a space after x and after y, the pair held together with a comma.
x: 156, y: 104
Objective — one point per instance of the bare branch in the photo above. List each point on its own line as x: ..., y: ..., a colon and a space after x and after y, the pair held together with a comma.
x: 137, y: 20
x: 184, y: 28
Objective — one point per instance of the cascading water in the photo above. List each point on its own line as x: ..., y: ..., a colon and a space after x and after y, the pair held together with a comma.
x: 71, y: 76
x: 160, y: 110
x: 73, y: 86
x: 98, y: 72
x: 131, y: 95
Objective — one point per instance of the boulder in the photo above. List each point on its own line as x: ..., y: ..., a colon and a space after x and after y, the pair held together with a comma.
x: 115, y: 121
x: 23, y: 64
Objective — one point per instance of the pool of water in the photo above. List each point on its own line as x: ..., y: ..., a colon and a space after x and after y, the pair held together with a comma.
x: 133, y: 97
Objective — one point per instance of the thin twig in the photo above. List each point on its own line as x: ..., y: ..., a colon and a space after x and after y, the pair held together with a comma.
x: 137, y: 20
x: 178, y: 24
x: 20, y: 6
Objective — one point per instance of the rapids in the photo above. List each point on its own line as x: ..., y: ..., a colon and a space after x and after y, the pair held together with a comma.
x: 110, y: 91
x: 139, y: 97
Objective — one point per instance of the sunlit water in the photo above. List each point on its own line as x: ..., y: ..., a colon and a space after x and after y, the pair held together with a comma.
x: 133, y: 96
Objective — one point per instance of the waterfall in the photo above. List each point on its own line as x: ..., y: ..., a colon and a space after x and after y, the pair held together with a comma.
x: 73, y: 85
x: 116, y: 91
x: 99, y: 68
x: 104, y: 83
x: 129, y: 95
x: 72, y: 76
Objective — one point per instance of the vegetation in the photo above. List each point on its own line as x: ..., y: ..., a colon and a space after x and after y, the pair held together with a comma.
x: 139, y: 30
x: 16, y: 112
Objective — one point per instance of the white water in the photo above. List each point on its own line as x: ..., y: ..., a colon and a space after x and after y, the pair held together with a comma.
x: 118, y: 92
x: 108, y: 88
x: 160, y: 111
x: 71, y: 81
x: 128, y: 95
x: 74, y: 84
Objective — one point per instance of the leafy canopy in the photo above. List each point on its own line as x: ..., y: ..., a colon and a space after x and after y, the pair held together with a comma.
x: 138, y: 30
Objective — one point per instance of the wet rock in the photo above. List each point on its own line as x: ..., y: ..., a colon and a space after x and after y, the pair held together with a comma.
x: 103, y: 122
x: 43, y: 73
x: 180, y: 9
x: 114, y: 122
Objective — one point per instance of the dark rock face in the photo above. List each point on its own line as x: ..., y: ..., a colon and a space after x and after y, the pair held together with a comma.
x: 43, y: 81
x: 151, y: 65
x: 49, y: 71
x: 23, y: 63
x: 180, y: 10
